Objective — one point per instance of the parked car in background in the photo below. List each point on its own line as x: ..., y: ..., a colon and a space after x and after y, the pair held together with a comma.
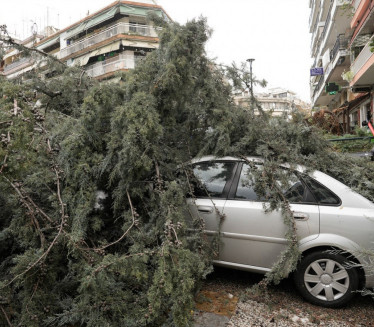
x: 328, y: 216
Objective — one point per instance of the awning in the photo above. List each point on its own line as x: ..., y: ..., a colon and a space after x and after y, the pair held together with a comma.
x: 358, y: 101
x: 85, y: 25
x: 82, y: 61
x: 111, y: 47
x: 103, y: 17
x: 10, y: 54
x: 139, y: 44
x: 350, y: 105
x: 138, y: 11
x: 49, y: 43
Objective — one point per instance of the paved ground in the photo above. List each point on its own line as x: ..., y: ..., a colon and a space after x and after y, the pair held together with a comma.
x: 208, y: 319
x: 218, y: 305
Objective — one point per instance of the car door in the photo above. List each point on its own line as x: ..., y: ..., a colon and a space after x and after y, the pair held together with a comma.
x: 254, y: 238
x: 211, y: 187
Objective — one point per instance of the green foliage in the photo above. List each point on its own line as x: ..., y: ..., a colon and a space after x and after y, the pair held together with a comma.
x: 352, y: 145
x: 94, y: 228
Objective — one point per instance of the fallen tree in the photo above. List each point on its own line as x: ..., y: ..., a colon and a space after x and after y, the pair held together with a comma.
x: 93, y: 184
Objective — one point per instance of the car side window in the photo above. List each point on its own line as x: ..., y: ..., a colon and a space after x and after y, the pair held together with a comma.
x: 322, y: 194
x: 293, y: 189
x: 213, y: 177
x: 246, y: 184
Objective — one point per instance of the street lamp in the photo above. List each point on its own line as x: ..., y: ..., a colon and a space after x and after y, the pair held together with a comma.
x: 250, y: 71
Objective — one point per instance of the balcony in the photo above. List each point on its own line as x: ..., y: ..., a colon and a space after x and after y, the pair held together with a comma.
x: 121, y: 28
x: 341, y: 44
x: 357, y: 67
x: 118, y: 63
x: 17, y: 65
x: 327, y: 22
x: 318, y: 87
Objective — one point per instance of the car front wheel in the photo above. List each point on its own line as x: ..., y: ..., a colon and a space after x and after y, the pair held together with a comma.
x: 324, y: 279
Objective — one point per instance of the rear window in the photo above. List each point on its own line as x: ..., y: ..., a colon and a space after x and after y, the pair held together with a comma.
x: 322, y: 194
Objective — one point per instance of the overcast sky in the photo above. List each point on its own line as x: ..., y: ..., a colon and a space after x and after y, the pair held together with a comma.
x: 273, y: 32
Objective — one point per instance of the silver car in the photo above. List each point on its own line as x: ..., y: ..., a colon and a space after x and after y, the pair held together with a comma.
x: 328, y: 215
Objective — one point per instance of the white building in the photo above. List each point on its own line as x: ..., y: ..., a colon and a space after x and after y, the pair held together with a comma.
x: 112, y: 39
x: 278, y: 101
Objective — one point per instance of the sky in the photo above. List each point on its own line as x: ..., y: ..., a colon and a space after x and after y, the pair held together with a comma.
x: 273, y: 32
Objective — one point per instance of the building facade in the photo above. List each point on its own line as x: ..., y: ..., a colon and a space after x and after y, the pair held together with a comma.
x: 277, y: 101
x: 342, y: 75
x: 112, y: 39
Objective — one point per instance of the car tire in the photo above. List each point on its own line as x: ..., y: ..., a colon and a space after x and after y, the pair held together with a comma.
x: 323, y: 279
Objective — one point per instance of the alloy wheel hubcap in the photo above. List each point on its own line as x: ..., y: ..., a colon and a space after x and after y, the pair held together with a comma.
x: 326, y: 279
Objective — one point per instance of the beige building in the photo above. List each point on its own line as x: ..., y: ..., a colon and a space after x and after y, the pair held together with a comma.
x: 112, y: 39
x: 278, y: 101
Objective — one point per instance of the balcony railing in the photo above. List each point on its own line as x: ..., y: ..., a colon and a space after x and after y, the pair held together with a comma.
x: 17, y: 65
x: 113, y: 65
x: 341, y: 43
x: 120, y: 28
x: 319, y: 85
x: 362, y: 58
x: 327, y: 22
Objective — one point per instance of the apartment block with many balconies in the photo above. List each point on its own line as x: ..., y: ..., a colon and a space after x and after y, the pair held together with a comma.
x: 350, y: 64
x: 112, y: 39
x: 329, y: 24
x: 361, y: 73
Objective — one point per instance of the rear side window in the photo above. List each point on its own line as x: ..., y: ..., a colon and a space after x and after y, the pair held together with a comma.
x: 322, y: 194
x: 293, y: 189
x: 212, y: 177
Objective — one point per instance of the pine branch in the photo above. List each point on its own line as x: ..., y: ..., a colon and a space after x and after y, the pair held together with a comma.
x: 47, y: 92
x: 133, y: 213
x: 44, y: 255
x: 6, y: 316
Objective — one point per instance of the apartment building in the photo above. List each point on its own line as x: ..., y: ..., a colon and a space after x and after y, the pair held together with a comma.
x: 278, y: 101
x: 112, y: 39
x: 342, y: 73
x: 14, y: 63
x: 361, y: 73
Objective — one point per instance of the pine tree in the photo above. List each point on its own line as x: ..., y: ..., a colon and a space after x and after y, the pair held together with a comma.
x: 94, y: 228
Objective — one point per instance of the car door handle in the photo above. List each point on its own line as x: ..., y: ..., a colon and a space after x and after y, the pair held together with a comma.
x: 205, y: 209
x: 300, y: 216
